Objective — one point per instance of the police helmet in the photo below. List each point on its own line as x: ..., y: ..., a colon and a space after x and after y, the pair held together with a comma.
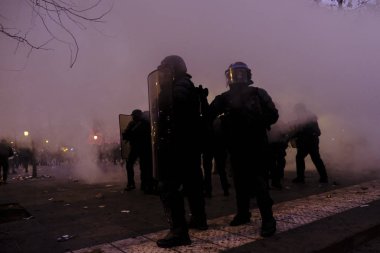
x: 175, y: 63
x: 137, y: 114
x: 238, y: 73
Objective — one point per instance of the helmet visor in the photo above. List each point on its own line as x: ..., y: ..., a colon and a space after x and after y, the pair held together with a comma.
x: 237, y: 75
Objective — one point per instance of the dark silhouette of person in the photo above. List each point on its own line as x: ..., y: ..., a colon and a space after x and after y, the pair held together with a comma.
x: 213, y: 148
x: 248, y: 113
x: 306, y: 134
x: 179, y: 152
x: 278, y: 138
x: 6, y: 152
x: 137, y: 134
x: 25, y: 157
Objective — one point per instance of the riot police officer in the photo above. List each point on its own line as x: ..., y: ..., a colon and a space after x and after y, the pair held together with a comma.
x: 138, y: 135
x: 248, y: 113
x: 306, y: 135
x: 176, y: 125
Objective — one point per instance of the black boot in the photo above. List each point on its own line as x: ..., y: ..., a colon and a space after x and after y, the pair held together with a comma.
x: 240, y: 220
x: 268, y: 227
x: 173, y: 240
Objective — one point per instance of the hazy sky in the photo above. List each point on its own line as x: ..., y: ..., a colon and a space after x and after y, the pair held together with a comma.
x: 298, y: 51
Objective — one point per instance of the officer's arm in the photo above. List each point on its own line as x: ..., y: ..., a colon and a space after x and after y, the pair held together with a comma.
x: 216, y: 108
x: 269, y: 110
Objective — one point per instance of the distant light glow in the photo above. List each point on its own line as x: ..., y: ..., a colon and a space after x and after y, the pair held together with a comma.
x: 95, y: 137
x: 26, y: 133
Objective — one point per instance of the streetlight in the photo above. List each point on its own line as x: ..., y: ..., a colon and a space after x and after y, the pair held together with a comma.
x: 26, y: 133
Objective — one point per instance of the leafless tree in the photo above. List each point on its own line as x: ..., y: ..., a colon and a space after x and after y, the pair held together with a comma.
x: 56, y: 17
x: 346, y: 4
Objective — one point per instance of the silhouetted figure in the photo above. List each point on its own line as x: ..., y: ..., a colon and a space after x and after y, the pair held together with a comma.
x: 278, y: 138
x: 25, y: 157
x: 306, y: 134
x: 34, y: 160
x: 248, y: 113
x: 137, y: 134
x: 5, y: 153
x: 213, y: 148
x: 176, y: 131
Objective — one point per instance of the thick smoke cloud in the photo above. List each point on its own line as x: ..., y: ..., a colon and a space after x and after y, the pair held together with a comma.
x: 298, y: 51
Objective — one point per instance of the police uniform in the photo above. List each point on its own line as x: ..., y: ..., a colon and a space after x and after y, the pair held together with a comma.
x: 138, y: 135
x: 248, y: 113
x: 178, y: 152
x: 306, y: 137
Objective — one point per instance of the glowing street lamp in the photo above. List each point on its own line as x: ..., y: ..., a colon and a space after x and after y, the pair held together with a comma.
x: 26, y: 133
x: 95, y: 137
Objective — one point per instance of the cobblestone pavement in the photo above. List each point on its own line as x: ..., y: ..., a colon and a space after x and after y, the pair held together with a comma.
x: 289, y: 215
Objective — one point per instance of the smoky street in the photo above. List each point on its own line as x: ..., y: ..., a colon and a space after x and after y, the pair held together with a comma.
x: 189, y: 126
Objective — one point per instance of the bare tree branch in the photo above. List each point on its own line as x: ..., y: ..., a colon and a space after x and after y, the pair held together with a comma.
x: 346, y: 4
x: 57, y: 15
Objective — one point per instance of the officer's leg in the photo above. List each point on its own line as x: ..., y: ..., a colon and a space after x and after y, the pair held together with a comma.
x: 243, y: 190
x: 316, y: 158
x: 146, y: 172
x: 173, y: 203
x: 25, y: 164
x: 5, y: 171
x: 281, y: 161
x: 207, y: 169
x: 300, y: 164
x: 274, y: 174
x: 220, y: 164
x: 1, y: 169
x: 194, y: 192
x: 264, y: 202
x: 131, y: 160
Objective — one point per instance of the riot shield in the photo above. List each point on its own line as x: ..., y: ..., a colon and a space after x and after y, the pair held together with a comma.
x: 160, y: 89
x: 124, y: 120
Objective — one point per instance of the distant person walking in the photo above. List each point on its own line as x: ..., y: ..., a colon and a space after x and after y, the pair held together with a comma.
x: 248, y: 114
x: 5, y: 153
x: 306, y: 134
x: 25, y: 157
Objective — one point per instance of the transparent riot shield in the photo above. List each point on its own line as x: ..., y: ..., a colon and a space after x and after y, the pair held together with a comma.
x: 160, y: 85
x: 124, y: 120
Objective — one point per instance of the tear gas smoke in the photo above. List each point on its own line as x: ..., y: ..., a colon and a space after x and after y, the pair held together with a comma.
x: 298, y: 51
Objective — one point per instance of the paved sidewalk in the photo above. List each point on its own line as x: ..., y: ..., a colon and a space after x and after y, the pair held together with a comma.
x: 289, y: 215
x: 91, y: 214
